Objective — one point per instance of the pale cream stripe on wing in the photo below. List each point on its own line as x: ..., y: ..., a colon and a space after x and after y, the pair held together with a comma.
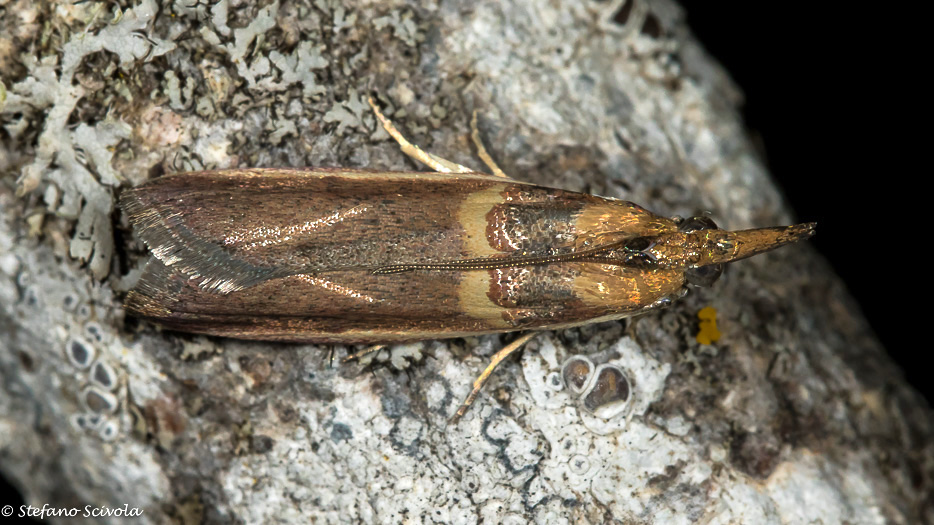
x: 271, y: 235
x: 334, y: 287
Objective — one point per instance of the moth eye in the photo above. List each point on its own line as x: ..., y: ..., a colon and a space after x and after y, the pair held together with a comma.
x: 576, y: 372
x: 697, y: 223
x: 704, y: 275
x: 609, y: 394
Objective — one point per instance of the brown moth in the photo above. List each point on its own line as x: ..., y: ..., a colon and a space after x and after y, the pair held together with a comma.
x: 325, y: 255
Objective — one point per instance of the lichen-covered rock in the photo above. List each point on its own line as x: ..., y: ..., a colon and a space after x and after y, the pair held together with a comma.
x: 793, y: 415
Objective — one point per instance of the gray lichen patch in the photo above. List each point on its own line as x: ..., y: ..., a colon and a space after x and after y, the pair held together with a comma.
x: 348, y: 114
x: 98, y: 401
x: 54, y: 390
x: 403, y: 25
x: 79, y: 352
x: 104, y: 375
x: 76, y: 160
x: 299, y: 68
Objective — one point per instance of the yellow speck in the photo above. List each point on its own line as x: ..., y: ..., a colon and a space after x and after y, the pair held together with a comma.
x: 707, y: 332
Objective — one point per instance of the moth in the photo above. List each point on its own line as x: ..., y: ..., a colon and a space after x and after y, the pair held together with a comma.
x: 335, y: 255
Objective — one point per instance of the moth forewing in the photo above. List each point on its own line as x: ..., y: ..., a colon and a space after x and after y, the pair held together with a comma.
x: 296, y: 256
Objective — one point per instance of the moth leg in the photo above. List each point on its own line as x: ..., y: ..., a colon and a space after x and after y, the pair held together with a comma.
x: 631, y: 327
x: 481, y: 150
x: 362, y: 353
x: 485, y: 376
x: 432, y: 161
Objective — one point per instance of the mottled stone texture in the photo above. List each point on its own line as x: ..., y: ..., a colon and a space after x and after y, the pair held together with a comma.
x: 795, y: 415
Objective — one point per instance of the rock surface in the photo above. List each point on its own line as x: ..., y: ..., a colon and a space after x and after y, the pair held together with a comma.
x: 795, y: 415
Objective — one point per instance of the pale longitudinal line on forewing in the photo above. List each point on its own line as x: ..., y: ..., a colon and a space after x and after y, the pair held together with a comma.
x: 334, y: 287
x: 270, y: 235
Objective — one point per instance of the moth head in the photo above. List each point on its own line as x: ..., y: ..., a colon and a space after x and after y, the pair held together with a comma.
x: 701, y: 248
x: 701, y: 275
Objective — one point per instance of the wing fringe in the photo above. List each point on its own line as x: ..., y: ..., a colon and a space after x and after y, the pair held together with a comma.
x: 163, y: 228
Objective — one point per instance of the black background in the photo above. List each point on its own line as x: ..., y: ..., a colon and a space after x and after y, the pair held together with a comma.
x: 832, y: 95
x: 832, y: 91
